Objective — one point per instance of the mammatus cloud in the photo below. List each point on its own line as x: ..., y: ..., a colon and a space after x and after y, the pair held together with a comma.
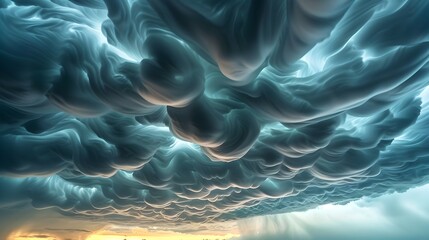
x: 391, y: 216
x: 174, y: 112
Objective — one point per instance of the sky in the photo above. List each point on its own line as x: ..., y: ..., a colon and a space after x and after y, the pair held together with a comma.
x: 182, y: 119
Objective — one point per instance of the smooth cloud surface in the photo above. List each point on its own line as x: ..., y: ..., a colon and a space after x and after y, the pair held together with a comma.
x: 171, y: 112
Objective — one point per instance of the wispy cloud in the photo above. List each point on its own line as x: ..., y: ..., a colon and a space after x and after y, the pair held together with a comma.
x: 67, y: 230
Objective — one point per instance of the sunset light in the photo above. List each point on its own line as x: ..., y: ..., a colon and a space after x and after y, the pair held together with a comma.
x: 214, y: 119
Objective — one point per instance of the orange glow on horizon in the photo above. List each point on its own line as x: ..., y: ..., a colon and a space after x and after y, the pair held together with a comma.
x: 140, y: 234
x: 18, y: 235
x: 133, y: 234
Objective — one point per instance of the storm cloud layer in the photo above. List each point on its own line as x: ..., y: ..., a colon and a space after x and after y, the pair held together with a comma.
x: 177, y: 111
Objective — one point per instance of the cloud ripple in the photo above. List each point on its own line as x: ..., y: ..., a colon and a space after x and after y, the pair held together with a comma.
x: 182, y: 111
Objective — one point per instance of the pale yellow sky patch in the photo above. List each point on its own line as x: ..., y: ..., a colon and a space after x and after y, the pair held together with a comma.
x: 132, y: 234
x: 141, y: 233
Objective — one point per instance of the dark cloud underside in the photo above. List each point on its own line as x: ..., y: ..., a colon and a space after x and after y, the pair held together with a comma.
x: 181, y: 111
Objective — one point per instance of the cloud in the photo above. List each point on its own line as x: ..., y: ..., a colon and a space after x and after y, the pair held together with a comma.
x: 67, y: 230
x: 36, y: 236
x: 175, y: 112
x: 25, y: 220
x: 391, y: 216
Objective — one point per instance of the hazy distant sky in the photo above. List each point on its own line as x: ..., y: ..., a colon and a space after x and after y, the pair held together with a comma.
x: 206, y: 118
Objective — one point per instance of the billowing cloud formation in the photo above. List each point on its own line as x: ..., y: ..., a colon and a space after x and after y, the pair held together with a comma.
x: 183, y: 111
x: 391, y: 216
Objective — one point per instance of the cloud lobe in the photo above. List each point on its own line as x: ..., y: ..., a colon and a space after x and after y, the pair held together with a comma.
x: 183, y: 111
